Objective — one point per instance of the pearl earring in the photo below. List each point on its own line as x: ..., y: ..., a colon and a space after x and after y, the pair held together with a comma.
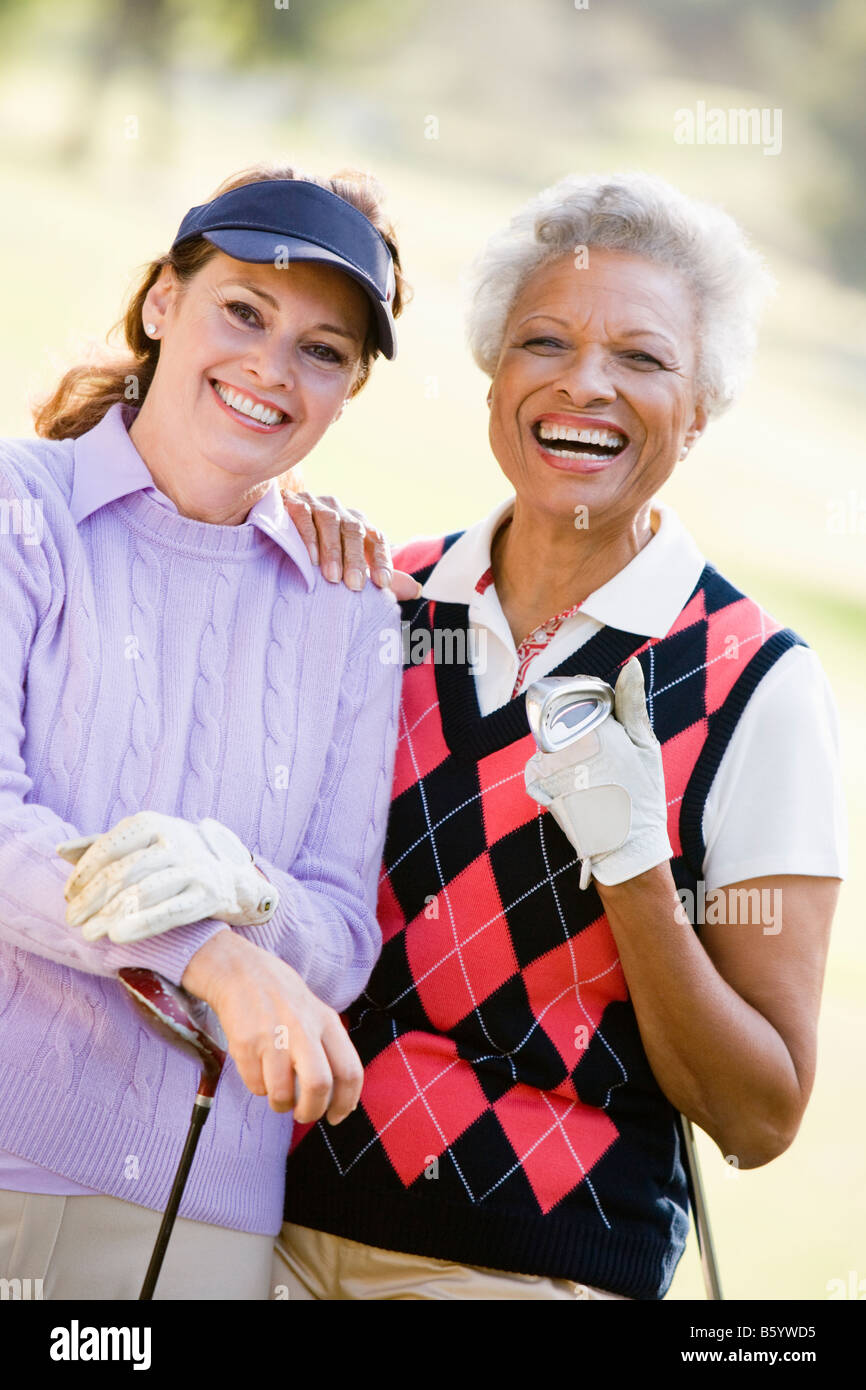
x: 684, y: 450
x: 150, y: 329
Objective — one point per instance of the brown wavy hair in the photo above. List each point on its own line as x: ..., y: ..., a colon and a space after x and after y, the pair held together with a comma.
x: 86, y: 391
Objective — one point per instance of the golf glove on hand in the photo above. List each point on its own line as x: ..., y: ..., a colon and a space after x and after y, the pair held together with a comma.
x: 606, y: 791
x: 152, y: 872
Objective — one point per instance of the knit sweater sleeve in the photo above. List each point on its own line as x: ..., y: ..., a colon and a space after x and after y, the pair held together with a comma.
x: 325, y: 926
x: 32, y: 875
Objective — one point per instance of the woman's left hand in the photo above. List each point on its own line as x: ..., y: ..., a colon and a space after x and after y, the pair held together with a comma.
x: 606, y: 791
x: 345, y: 543
x: 152, y: 872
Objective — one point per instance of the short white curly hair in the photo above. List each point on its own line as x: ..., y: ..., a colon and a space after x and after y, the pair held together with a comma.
x: 646, y: 216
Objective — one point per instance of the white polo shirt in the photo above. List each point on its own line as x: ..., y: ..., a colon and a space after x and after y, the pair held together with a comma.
x: 776, y: 803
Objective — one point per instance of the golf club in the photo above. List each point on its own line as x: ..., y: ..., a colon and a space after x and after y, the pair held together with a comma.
x: 560, y: 710
x: 178, y: 1018
x: 181, y: 1020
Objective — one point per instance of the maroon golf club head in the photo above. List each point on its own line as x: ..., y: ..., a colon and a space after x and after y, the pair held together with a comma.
x: 173, y: 1014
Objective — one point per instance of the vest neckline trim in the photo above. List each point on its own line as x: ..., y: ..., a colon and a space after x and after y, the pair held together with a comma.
x: 468, y: 733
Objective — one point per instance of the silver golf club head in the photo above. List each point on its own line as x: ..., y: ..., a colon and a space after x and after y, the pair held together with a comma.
x: 561, y: 709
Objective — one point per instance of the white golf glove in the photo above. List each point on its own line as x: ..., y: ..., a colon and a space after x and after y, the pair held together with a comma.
x: 152, y: 872
x: 607, y: 791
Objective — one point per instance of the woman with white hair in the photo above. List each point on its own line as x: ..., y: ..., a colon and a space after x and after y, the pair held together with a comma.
x: 546, y: 1003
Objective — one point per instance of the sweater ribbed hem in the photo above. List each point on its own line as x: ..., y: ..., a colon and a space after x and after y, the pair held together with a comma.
x: 123, y: 1157
x: 636, y: 1265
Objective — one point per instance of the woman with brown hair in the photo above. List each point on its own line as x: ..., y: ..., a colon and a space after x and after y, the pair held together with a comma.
x: 186, y: 699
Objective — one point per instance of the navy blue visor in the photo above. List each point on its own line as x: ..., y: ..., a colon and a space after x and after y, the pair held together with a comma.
x: 285, y: 220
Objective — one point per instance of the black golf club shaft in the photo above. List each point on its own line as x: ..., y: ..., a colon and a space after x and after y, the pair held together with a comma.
x: 200, y: 1112
x: 175, y: 1016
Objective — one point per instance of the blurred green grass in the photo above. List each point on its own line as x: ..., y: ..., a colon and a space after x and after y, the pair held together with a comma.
x: 757, y: 493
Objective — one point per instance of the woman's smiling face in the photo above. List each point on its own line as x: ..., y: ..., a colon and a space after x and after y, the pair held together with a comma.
x: 285, y: 344
x: 594, y: 394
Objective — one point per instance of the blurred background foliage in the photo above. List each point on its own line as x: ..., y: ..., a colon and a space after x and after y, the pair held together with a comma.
x: 808, y: 55
x: 116, y: 117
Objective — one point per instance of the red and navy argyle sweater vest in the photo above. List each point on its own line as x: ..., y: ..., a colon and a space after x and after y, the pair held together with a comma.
x: 509, y: 1116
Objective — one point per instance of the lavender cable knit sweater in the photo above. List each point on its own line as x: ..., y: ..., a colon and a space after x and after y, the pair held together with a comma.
x: 152, y: 662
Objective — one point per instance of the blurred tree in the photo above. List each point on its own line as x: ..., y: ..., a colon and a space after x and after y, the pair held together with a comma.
x: 519, y: 62
x: 298, y: 29
x: 835, y: 96
x: 129, y: 33
x: 807, y: 54
x: 156, y: 37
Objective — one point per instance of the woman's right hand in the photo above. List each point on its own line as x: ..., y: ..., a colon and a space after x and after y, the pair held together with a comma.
x: 606, y: 791
x: 286, y: 1044
x: 346, y: 545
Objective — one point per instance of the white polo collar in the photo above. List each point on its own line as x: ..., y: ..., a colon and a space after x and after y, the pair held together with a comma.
x: 646, y: 596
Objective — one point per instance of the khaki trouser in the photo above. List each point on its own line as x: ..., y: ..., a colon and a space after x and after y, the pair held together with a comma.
x: 99, y: 1248
x: 314, y: 1265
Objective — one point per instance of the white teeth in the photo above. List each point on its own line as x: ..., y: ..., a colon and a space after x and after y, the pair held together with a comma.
x: 245, y: 406
x: 570, y: 454
x: 608, y: 439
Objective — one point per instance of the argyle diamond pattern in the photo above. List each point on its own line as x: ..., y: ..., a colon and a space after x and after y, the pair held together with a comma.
x: 501, y: 1051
